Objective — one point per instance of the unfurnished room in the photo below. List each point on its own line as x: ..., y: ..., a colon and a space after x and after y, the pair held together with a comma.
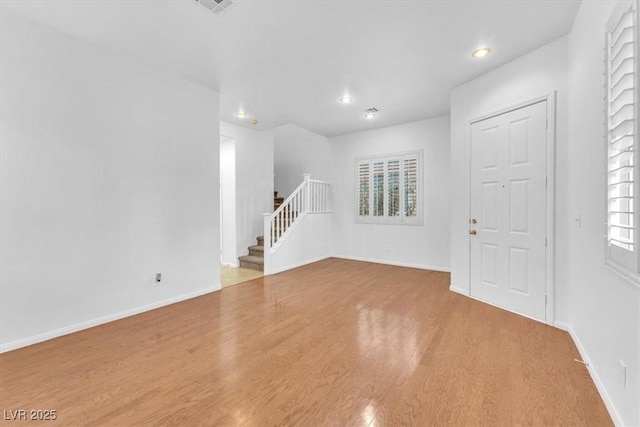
x: 319, y: 213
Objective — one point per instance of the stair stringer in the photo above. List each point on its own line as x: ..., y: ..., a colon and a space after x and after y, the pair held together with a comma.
x: 309, y: 242
x: 288, y: 232
x: 311, y: 198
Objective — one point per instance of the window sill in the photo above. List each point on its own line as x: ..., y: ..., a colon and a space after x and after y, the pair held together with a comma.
x: 629, y: 277
x: 388, y: 222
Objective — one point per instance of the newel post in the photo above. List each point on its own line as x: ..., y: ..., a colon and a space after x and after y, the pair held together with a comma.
x: 307, y: 192
x: 266, y: 233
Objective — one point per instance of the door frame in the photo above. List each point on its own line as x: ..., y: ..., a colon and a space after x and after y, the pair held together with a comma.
x: 550, y: 209
x: 225, y: 230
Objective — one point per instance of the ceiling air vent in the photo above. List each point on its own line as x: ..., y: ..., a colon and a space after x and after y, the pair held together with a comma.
x: 370, y: 113
x: 216, y: 6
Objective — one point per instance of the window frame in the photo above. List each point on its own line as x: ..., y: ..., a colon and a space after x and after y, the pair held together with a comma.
x: 400, y: 219
x: 622, y: 261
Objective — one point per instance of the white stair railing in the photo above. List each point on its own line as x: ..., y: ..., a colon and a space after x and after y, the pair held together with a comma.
x: 312, y: 196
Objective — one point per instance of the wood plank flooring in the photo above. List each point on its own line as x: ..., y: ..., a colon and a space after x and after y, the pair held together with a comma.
x: 335, y: 343
x: 230, y: 276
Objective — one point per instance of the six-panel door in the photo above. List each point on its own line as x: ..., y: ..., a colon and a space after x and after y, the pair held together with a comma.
x: 508, y: 204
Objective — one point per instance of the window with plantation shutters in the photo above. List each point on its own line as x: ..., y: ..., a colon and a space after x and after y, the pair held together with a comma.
x: 364, y: 178
x: 393, y: 173
x: 410, y: 187
x: 621, y: 85
x: 388, y: 189
x: 378, y: 188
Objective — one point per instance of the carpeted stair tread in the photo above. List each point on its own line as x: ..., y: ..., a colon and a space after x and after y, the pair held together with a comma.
x: 252, y: 259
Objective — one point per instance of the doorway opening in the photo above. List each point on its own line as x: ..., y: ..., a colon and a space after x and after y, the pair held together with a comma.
x: 230, y: 272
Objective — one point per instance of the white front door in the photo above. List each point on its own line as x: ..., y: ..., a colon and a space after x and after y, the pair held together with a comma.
x: 508, y: 206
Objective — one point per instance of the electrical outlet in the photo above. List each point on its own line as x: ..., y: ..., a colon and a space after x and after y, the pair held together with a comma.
x: 622, y: 374
x: 158, y: 278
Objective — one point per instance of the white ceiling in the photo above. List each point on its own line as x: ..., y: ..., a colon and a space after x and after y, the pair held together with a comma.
x: 288, y: 61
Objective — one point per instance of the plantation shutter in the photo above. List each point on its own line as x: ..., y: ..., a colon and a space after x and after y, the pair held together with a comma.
x: 388, y: 189
x: 621, y: 127
x: 378, y: 188
x: 393, y: 189
x: 363, y: 188
x: 410, y: 167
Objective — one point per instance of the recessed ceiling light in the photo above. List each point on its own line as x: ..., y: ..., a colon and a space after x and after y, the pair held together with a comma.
x: 346, y: 100
x: 241, y: 115
x: 481, y: 53
x: 370, y: 116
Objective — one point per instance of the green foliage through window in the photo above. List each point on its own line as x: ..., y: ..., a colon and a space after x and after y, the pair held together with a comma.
x: 388, y: 188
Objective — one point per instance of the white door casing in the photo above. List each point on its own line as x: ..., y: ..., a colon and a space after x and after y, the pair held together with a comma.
x: 508, y: 202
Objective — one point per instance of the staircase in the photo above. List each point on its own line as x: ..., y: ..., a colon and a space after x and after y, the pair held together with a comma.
x: 310, y: 198
x: 277, y: 201
x: 255, y: 259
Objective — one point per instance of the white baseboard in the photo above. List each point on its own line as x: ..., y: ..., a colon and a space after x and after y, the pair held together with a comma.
x: 396, y: 263
x: 298, y: 264
x: 462, y: 292
x: 583, y: 354
x: 608, y: 403
x: 45, y: 336
x: 458, y: 290
x: 230, y: 264
x: 561, y: 325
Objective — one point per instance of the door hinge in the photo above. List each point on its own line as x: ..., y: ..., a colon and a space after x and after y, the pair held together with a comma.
x: 545, y: 241
x: 547, y: 123
x: 545, y: 299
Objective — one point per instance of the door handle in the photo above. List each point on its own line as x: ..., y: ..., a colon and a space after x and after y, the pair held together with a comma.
x: 474, y: 232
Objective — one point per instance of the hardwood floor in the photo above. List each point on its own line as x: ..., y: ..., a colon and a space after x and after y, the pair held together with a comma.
x: 335, y: 343
x: 230, y: 276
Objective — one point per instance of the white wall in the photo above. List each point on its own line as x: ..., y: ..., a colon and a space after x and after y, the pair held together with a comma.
x: 109, y: 174
x: 309, y: 242
x: 530, y: 76
x: 254, y: 182
x: 599, y: 309
x: 424, y: 246
x: 603, y: 309
x: 228, y: 236
x: 298, y: 151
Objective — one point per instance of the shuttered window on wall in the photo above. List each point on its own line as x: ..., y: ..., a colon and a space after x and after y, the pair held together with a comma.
x: 388, y: 188
x: 378, y: 189
x: 621, y: 122
x: 364, y: 178
x: 410, y: 186
x: 393, y: 172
